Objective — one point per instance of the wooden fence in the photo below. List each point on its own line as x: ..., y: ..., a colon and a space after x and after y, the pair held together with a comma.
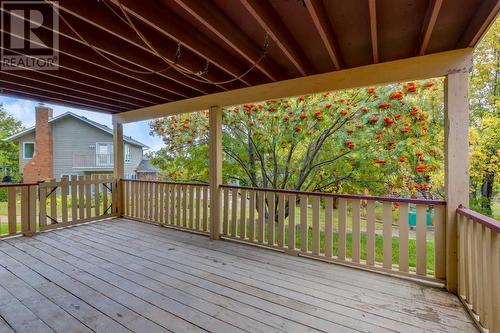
x: 34, y: 207
x: 479, y: 267
x: 76, y: 200
x: 18, y: 208
x: 363, y: 231
x: 179, y: 205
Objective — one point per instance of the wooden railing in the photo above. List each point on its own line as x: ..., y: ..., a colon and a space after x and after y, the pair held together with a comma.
x: 364, y: 231
x: 76, y: 200
x: 479, y: 267
x: 28, y: 208
x: 18, y: 208
x: 180, y: 205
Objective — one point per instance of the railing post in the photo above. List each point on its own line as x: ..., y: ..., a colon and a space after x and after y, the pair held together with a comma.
x: 118, y: 166
x: 29, y: 196
x: 215, y: 169
x: 456, y: 147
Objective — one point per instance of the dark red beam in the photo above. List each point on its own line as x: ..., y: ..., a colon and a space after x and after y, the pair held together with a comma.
x: 30, y: 78
x: 269, y: 20
x: 212, y: 18
x: 177, y: 29
x: 94, y: 19
x: 47, y: 96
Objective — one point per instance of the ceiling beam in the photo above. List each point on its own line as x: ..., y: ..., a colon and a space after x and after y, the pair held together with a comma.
x: 76, y: 57
x: 318, y: 14
x: 213, y: 19
x: 421, y: 67
x: 101, y: 17
x: 71, y: 70
x: 372, y: 8
x: 65, y: 77
x: 102, y: 45
x: 482, y: 19
x: 31, y: 78
x: 428, y: 24
x: 269, y: 20
x: 175, y: 28
x: 45, y: 96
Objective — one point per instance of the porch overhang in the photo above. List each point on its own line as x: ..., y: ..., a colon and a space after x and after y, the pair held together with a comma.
x: 122, y: 55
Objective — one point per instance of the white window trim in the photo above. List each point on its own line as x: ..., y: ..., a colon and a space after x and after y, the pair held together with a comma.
x: 125, y: 145
x: 24, y: 150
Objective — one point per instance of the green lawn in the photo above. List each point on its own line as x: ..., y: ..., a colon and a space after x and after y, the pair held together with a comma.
x: 412, y: 245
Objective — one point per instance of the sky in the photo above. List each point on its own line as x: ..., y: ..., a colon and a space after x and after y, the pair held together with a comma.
x: 24, y: 110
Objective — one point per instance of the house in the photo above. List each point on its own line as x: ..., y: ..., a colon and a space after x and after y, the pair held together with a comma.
x: 70, y: 144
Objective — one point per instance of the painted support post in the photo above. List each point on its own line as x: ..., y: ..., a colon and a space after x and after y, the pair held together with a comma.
x: 215, y: 169
x: 456, y: 147
x: 118, y: 166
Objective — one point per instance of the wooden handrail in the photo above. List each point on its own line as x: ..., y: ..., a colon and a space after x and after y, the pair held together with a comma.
x: 487, y: 221
x: 345, y: 196
x: 163, y: 182
x: 17, y: 184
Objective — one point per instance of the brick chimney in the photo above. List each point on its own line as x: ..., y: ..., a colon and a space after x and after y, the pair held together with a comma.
x: 40, y: 167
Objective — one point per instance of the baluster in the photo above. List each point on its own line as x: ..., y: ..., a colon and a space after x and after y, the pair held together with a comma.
x: 161, y: 209
x: 97, y: 200
x: 11, y: 206
x: 25, y: 209
x: 53, y: 201
x: 88, y: 200
x: 356, y: 238
x: 403, y: 237
x: 81, y: 197
x: 198, y: 208
x: 421, y: 240
x: 184, y: 206
x: 64, y: 200
x: 281, y: 220
x: 387, y: 234
x: 191, y: 207
x: 42, y: 210
x: 234, y: 211
x: 74, y: 197
x: 439, y: 242
x: 205, y: 208
x: 243, y: 210
x: 225, y: 218
x: 342, y: 227
x: 315, y: 224
x: 303, y: 223
x: 486, y: 277
x: 495, y: 277
x: 328, y: 226
x: 251, y: 216
x: 370, y: 232
x: 270, y: 218
x: 292, y: 200
x: 262, y: 215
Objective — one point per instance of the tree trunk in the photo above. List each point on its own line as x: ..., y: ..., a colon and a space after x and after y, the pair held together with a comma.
x: 487, y: 191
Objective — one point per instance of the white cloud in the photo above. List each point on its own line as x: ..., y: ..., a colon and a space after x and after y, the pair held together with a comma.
x: 24, y: 110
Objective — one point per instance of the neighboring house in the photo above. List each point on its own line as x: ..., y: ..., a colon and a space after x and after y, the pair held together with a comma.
x: 69, y: 145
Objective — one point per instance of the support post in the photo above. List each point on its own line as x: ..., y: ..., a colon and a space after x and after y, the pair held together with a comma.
x: 215, y: 169
x: 118, y: 168
x: 456, y: 147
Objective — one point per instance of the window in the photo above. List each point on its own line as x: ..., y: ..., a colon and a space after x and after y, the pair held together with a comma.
x: 104, y: 154
x: 28, y: 150
x: 127, y: 152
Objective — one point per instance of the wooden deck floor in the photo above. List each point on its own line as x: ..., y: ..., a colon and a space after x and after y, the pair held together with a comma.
x: 123, y: 276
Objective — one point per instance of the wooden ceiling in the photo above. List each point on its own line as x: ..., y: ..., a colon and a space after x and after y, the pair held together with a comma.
x: 120, y: 55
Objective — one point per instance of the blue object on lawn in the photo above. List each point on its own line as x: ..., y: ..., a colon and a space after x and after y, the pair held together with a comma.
x: 412, y: 219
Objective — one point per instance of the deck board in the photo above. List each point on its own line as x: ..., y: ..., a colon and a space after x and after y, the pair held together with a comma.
x: 121, y: 276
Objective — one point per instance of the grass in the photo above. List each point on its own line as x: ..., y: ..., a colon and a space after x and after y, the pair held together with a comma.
x: 379, y: 242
